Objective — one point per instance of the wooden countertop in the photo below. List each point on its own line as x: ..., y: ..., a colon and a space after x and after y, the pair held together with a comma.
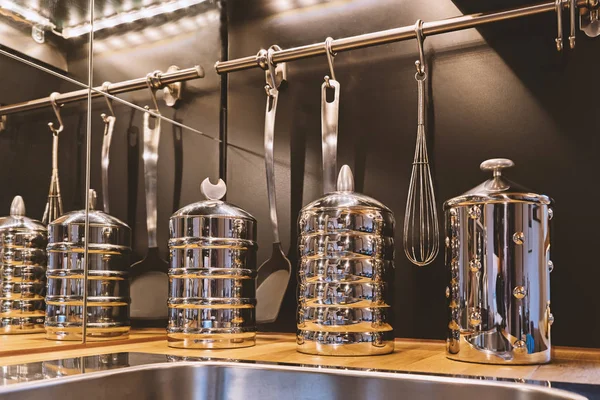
x: 573, y: 365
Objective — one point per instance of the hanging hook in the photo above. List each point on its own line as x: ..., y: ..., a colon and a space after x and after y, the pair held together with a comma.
x: 105, y: 86
x: 330, y: 55
x: 153, y: 82
x: 420, y: 63
x: 56, y: 109
x: 559, y: 38
x: 273, y: 71
x: 270, y: 73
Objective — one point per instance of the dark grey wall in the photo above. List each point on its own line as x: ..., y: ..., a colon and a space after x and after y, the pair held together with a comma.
x: 502, y: 91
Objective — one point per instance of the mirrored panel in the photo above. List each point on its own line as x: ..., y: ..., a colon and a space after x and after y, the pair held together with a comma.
x: 177, y: 42
x: 44, y: 165
x: 52, y: 34
x: 155, y: 135
x: 44, y: 111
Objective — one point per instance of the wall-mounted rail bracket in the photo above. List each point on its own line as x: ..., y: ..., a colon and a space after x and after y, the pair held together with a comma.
x: 172, y: 91
x: 589, y: 18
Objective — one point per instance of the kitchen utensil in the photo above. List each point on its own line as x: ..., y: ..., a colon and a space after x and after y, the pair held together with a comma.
x: 346, y: 266
x: 149, y: 286
x: 54, y: 207
x: 133, y: 158
x: 421, y: 229
x: 273, y: 274
x: 109, y: 126
x: 212, y: 274
x: 178, y: 163
x: 22, y: 271
x: 109, y: 249
x: 498, y: 257
x: 329, y: 124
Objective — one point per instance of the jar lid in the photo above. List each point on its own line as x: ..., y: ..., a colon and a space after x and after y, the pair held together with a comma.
x: 213, y: 206
x: 18, y: 220
x: 345, y: 196
x: 497, y: 189
x: 96, y: 217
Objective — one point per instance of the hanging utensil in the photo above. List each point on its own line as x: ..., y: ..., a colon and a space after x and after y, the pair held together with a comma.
x: 329, y: 124
x: 109, y: 125
x: 274, y: 274
x: 133, y: 158
x: 149, y: 286
x: 54, y: 207
x: 421, y: 229
x: 559, y: 36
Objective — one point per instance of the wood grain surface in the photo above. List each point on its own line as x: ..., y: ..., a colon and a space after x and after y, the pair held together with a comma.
x: 569, y: 364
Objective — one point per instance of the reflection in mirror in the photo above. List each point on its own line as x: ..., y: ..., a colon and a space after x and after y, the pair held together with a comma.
x: 151, y: 168
x: 162, y: 36
x: 165, y: 151
x: 35, y: 30
x: 34, y: 157
x: 45, y: 165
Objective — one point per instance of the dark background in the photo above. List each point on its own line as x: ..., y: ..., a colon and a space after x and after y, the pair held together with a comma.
x: 498, y: 91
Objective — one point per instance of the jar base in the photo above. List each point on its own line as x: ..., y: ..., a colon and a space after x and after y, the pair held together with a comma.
x: 466, y: 352
x: 93, y: 334
x: 345, y: 343
x: 211, y: 341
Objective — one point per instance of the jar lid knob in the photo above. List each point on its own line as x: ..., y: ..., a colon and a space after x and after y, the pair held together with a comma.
x: 92, y: 197
x: 496, y: 165
x: 17, y: 207
x: 345, y: 181
x: 213, y: 192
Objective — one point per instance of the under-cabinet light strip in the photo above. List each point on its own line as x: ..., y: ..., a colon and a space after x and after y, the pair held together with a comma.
x: 128, y: 17
x: 30, y: 15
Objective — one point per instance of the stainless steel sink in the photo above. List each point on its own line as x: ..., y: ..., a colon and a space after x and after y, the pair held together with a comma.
x: 132, y: 376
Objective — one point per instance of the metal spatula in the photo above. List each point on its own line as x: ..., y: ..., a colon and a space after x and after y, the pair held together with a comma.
x: 149, y: 286
x: 109, y: 126
x: 273, y: 274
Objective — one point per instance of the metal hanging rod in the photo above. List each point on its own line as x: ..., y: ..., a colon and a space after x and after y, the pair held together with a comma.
x: 395, y: 35
x: 161, y: 79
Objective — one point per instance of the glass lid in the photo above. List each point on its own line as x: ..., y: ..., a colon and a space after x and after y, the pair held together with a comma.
x: 497, y: 189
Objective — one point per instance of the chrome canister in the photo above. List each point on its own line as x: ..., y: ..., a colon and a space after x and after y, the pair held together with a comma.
x: 23, y: 271
x: 109, y: 249
x: 212, y: 274
x: 498, y: 257
x: 346, y: 266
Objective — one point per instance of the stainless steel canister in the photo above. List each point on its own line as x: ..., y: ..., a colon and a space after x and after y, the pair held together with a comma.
x: 212, y: 274
x: 109, y: 249
x: 22, y: 271
x: 346, y: 266
x: 498, y: 257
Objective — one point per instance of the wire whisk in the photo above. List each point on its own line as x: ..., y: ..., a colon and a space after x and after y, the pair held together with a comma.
x: 421, y: 228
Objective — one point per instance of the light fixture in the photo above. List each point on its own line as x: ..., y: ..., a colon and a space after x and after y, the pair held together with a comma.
x: 28, y: 14
x: 128, y: 17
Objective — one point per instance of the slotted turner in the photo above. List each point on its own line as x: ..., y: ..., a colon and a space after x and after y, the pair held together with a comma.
x: 274, y: 274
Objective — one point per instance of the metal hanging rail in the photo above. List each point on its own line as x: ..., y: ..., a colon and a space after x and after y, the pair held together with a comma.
x: 394, y: 35
x: 161, y: 79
